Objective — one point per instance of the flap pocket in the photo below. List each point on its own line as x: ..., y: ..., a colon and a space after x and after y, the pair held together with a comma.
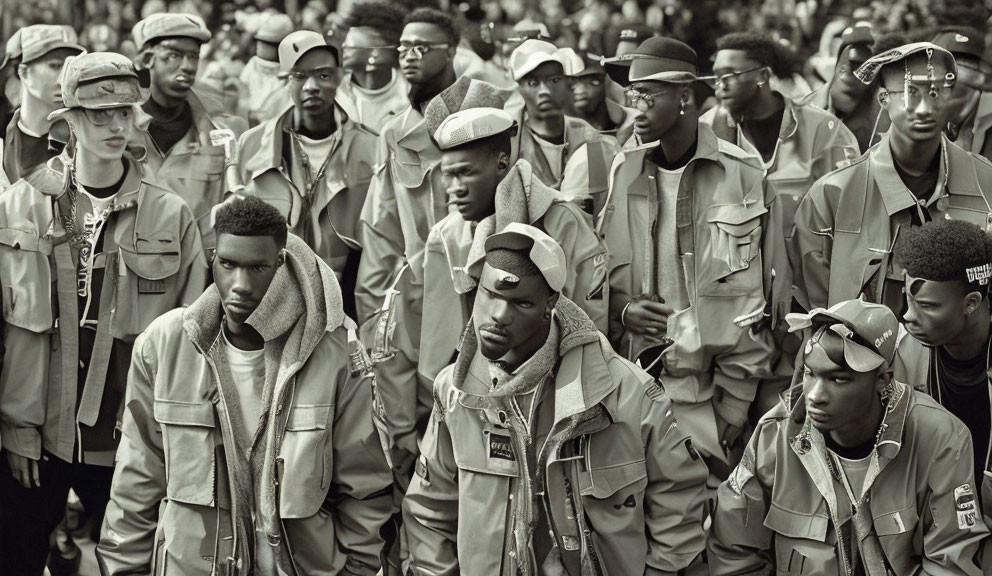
x: 735, y: 215
x: 185, y: 413
x: 207, y: 164
x: 305, y: 417
x: 153, y: 265
x: 190, y: 450
x: 605, y: 482
x: 796, y: 524
x: 21, y: 240
x: 739, y: 230
x: 898, y: 522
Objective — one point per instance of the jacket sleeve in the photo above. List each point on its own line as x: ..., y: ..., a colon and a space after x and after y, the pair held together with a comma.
x: 381, y: 236
x: 676, y: 499
x: 430, y: 509
x: 953, y: 528
x: 24, y: 389
x: 128, y: 536
x: 586, y: 284
x: 739, y: 542
x: 810, y: 249
x: 361, y: 481
x: 193, y: 271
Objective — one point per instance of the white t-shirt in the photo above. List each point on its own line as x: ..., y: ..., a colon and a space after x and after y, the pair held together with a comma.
x: 248, y: 371
x: 669, y: 264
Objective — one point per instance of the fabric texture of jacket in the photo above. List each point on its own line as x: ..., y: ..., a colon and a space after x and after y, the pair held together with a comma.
x: 193, y: 168
x: 157, y: 265
x: 373, y: 113
x: 327, y: 217
x: 623, y: 489
x: 868, y: 127
x: 12, y: 150
x: 727, y: 257
x: 917, y: 515
x: 848, y: 224
x: 317, y: 479
x: 261, y: 87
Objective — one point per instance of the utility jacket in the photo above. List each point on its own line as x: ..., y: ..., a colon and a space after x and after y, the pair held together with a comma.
x: 727, y: 257
x: 12, y: 149
x: 917, y: 515
x: 373, y: 110
x: 974, y: 135
x: 193, y: 168
x: 174, y: 502
x: 153, y: 262
x: 620, y: 484
x: 867, y: 126
x: 848, y: 224
x: 326, y: 216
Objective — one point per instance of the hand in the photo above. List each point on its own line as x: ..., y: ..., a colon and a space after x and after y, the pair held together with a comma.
x: 24, y: 470
x: 647, y: 317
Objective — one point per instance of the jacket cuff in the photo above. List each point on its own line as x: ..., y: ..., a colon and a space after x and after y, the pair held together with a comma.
x: 21, y: 441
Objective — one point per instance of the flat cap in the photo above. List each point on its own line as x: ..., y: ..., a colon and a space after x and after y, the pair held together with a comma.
x: 962, y: 43
x: 169, y: 25
x: 32, y: 42
x: 463, y: 94
x: 868, y: 71
x: 658, y: 58
x: 472, y: 124
x: 531, y: 54
x: 298, y: 43
x: 542, y: 249
x: 98, y: 80
x: 274, y: 28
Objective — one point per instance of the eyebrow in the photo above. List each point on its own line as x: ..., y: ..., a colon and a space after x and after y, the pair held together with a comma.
x: 455, y: 167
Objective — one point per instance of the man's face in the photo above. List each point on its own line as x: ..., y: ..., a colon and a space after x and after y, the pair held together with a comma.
x: 104, y: 133
x: 936, y: 311
x: 657, y: 110
x: 41, y: 77
x: 422, y: 68
x: 470, y: 176
x: 737, y: 91
x: 847, y: 91
x: 243, y: 269
x: 588, y: 92
x: 920, y: 116
x: 313, y: 82
x: 838, y: 399
x: 174, y: 70
x: 545, y: 91
x: 362, y: 43
x: 509, y: 317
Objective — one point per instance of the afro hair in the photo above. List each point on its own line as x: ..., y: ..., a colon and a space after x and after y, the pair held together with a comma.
x: 386, y: 18
x: 944, y: 251
x: 759, y: 47
x: 437, y: 18
x: 250, y: 216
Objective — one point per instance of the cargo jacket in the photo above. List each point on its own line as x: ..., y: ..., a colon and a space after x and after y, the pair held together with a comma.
x: 849, y: 223
x: 918, y: 514
x: 153, y: 263
x: 619, y: 481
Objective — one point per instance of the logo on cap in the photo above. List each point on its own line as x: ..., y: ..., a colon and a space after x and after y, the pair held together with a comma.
x: 960, y: 38
x: 628, y: 34
x: 980, y: 274
x: 881, y: 339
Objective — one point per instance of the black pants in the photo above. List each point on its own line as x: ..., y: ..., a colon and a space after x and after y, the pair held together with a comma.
x: 28, y: 515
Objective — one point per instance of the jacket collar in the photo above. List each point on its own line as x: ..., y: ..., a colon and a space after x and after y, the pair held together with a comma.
x: 269, y: 155
x: 413, y: 132
x: 707, y: 147
x: 54, y: 180
x: 202, y: 122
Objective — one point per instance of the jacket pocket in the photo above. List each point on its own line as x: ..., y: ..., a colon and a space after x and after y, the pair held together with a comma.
x: 207, y: 164
x: 898, y: 536
x: 733, y: 259
x: 149, y: 284
x: 801, y: 544
x: 189, y: 445
x: 26, y: 278
x: 306, y: 452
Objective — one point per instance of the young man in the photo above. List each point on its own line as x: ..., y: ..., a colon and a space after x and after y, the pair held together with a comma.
x: 248, y: 445
x: 373, y: 91
x: 797, y: 144
x: 846, y: 97
x: 850, y: 220
x: 565, y: 153
x: 546, y: 452
x: 690, y: 260
x: 37, y: 54
x: 176, y: 125
x: 590, y: 102
x: 948, y: 264
x: 968, y: 121
x: 313, y: 162
x: 406, y: 197
x: 879, y: 475
x: 261, y: 85
x: 92, y: 254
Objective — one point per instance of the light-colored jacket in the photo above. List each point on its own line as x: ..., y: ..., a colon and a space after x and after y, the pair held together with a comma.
x: 174, y: 502
x: 373, y: 113
x: 153, y: 263
x: 722, y: 235
x: 849, y: 222
x: 629, y: 501
x: 920, y: 516
x: 193, y: 168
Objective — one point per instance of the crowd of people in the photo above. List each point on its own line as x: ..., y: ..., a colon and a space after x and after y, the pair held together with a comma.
x: 401, y: 288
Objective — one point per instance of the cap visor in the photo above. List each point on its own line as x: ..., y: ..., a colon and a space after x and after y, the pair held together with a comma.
x: 618, y: 69
x: 57, y: 113
x: 532, y: 65
x: 859, y: 358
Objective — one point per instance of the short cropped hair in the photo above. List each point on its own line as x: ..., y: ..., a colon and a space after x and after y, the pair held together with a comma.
x: 758, y: 47
x: 384, y: 17
x: 250, y: 216
x: 437, y: 18
x: 944, y: 251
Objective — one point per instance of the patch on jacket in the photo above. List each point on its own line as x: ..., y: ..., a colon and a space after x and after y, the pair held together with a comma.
x: 146, y: 286
x: 741, y: 475
x: 656, y: 391
x: 500, y: 446
x: 964, y: 505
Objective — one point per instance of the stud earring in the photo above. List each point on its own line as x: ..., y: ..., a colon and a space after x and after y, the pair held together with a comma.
x: 370, y: 66
x: 761, y: 84
x: 682, y: 108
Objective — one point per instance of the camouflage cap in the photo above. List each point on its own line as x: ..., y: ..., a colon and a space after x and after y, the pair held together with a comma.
x: 169, y: 25
x: 32, y: 42
x: 98, y: 80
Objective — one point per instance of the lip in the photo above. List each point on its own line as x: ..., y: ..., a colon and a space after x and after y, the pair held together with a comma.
x: 915, y: 333
x: 183, y: 81
x: 312, y: 102
x: 494, y: 336
x: 817, y: 415
x: 545, y: 106
x: 239, y: 307
x: 115, y: 142
x: 924, y: 126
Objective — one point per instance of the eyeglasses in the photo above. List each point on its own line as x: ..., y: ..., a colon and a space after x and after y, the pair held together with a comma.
x: 729, y: 79
x: 418, y: 50
x: 914, y: 95
x: 103, y: 116
x: 354, y: 47
x: 325, y: 76
x: 643, y: 101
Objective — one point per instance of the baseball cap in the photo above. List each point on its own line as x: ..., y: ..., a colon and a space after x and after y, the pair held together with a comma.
x: 531, y: 54
x: 874, y: 324
x: 274, y: 28
x: 544, y: 251
x: 33, y: 42
x: 472, y: 124
x: 868, y: 71
x: 962, y: 42
x: 859, y: 34
x: 169, y: 25
x: 98, y: 80
x: 581, y: 64
x: 298, y: 43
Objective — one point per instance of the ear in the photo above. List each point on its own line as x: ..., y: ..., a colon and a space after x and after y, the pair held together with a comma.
x: 884, y: 379
x: 281, y: 259
x: 972, y: 300
x: 766, y: 75
x: 552, y: 301
x: 503, y: 162
x: 882, y: 96
x: 145, y: 60
x: 22, y: 71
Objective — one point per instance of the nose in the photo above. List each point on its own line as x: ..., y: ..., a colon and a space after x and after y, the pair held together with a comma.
x: 116, y: 124
x: 910, y: 316
x: 409, y: 56
x: 455, y: 186
x: 543, y: 89
x: 189, y: 64
x: 499, y: 312
x: 310, y: 85
x: 240, y: 282
x: 816, y: 391
x: 926, y: 107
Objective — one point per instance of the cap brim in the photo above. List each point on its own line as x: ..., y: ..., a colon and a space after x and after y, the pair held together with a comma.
x: 618, y: 69
x: 55, y: 114
x: 533, y: 63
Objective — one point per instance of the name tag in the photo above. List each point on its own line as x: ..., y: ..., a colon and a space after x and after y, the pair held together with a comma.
x: 500, y: 446
x: 146, y: 286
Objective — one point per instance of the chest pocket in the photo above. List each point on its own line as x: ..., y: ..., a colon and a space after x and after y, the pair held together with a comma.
x: 150, y: 286
x: 307, y: 460
x: 898, y: 536
x: 189, y: 445
x: 735, y: 249
x: 26, y: 279
x: 802, y: 546
x: 207, y: 164
x: 478, y: 446
x: 616, y: 484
